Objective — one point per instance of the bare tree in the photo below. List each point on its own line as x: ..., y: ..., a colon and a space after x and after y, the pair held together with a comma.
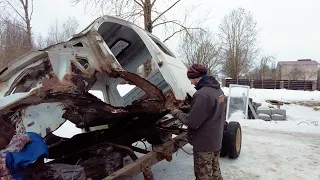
x: 274, y: 70
x: 254, y: 74
x: 265, y: 69
x: 61, y: 32
x: 199, y: 47
x: 299, y: 72
x: 291, y: 73
x: 13, y: 41
x: 237, y: 34
x: 307, y: 72
x: 295, y: 73
x: 58, y: 32
x: 20, y: 11
x: 40, y: 41
x: 133, y: 10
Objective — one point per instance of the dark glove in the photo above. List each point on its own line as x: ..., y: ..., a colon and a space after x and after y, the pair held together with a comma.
x: 174, y: 112
x: 185, y: 108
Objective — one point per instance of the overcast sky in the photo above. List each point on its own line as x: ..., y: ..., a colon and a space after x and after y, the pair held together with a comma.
x: 288, y: 29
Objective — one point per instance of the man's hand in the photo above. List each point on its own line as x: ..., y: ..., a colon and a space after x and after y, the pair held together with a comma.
x: 175, y: 113
x: 185, y: 108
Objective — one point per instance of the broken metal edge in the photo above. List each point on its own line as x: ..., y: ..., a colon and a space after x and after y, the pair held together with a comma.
x: 153, y: 157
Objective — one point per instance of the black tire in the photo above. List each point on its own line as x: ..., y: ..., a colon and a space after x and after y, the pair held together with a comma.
x: 233, y: 137
x: 223, y: 152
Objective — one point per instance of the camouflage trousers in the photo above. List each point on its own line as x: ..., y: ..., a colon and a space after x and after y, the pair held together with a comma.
x: 206, y: 165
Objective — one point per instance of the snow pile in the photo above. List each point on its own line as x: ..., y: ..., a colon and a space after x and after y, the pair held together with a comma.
x: 237, y: 115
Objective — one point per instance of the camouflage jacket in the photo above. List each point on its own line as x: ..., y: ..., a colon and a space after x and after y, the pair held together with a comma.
x: 16, y: 144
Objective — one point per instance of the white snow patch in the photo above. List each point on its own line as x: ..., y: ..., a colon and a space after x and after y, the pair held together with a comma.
x: 284, y: 126
x: 280, y: 94
x: 237, y: 115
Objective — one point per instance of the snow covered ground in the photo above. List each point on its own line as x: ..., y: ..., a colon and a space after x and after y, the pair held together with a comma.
x: 270, y: 150
x: 266, y: 155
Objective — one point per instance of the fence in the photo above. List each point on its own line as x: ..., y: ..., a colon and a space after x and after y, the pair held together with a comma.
x: 275, y: 84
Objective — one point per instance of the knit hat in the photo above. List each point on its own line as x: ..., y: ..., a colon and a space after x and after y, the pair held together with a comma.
x: 196, y: 70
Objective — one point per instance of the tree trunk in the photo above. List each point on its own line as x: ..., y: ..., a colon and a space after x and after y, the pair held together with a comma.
x: 147, y: 16
x: 28, y: 23
x: 148, y: 27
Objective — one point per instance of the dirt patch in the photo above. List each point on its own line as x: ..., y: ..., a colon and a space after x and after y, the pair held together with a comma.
x: 314, y: 104
x: 316, y: 108
x: 276, y: 102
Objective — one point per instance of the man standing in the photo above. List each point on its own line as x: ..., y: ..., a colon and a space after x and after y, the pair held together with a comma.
x: 205, y: 123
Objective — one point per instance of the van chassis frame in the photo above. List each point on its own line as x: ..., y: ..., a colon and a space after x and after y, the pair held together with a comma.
x: 144, y: 163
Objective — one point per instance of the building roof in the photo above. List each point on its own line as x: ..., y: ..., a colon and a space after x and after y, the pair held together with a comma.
x: 299, y: 62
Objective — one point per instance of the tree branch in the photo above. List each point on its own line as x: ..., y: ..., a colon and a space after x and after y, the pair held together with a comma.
x: 142, y: 2
x: 22, y: 28
x: 139, y: 3
x: 165, y: 11
x: 165, y: 22
x: 184, y: 28
x: 129, y: 15
x: 152, y: 4
x: 172, y: 35
x: 31, y: 10
x: 16, y: 10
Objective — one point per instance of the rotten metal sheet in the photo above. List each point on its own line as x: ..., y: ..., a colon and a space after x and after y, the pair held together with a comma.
x: 57, y: 80
x: 85, y: 110
x: 62, y: 95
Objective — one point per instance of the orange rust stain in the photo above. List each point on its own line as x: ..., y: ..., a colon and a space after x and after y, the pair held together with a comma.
x: 55, y: 84
x: 221, y: 100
